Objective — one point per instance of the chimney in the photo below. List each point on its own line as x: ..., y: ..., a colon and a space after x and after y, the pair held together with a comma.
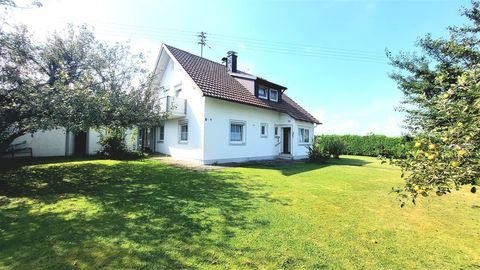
x: 231, y: 61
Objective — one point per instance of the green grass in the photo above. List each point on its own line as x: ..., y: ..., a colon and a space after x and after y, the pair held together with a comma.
x: 144, y: 214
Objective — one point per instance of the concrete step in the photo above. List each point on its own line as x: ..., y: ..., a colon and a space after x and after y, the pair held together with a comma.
x: 285, y: 156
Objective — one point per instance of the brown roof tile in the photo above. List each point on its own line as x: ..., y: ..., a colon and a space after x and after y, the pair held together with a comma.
x: 214, y: 81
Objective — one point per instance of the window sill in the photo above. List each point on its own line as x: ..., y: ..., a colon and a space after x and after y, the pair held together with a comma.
x: 183, y: 142
x: 266, y: 98
x: 263, y: 136
x: 237, y: 143
x: 160, y: 141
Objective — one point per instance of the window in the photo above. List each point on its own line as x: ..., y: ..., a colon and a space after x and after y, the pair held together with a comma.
x: 276, y: 131
x: 262, y: 92
x: 273, y: 95
x: 161, y: 133
x: 178, y: 90
x: 263, y: 130
x: 183, y: 128
x: 304, y: 135
x: 237, y: 132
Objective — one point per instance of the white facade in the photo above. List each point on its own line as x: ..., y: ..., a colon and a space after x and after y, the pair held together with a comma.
x: 59, y: 142
x: 45, y: 143
x: 209, y: 121
x: 177, y: 83
x: 218, y: 147
x: 209, y: 138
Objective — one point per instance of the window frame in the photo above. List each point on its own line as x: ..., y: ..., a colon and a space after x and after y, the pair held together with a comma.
x: 270, y: 94
x: 161, y: 131
x: 178, y: 90
x: 265, y: 91
x: 301, y: 135
x: 243, y: 124
x: 264, y: 125
x: 181, y: 124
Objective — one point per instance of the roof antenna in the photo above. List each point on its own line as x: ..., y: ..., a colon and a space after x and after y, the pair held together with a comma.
x: 202, y: 42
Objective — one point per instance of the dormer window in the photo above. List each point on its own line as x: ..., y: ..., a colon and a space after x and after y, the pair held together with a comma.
x: 262, y: 92
x: 274, y: 95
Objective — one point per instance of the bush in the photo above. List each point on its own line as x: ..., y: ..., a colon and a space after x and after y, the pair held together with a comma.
x: 369, y: 145
x: 318, y: 153
x: 334, y: 146
x: 113, y: 146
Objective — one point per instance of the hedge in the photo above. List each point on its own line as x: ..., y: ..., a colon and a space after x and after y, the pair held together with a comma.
x: 370, y: 145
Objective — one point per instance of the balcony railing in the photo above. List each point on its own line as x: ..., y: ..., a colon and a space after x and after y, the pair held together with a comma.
x: 173, y: 107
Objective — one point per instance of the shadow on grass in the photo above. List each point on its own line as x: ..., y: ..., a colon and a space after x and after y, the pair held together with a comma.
x: 292, y: 168
x: 118, y: 215
x: 348, y: 161
x: 18, y: 162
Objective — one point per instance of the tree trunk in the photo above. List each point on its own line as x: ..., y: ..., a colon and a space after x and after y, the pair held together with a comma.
x: 5, y: 143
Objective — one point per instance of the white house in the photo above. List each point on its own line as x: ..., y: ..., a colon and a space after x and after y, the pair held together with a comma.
x: 218, y: 114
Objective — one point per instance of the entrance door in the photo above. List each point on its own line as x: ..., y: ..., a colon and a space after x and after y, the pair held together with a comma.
x: 146, y: 139
x: 80, y: 143
x: 286, y: 140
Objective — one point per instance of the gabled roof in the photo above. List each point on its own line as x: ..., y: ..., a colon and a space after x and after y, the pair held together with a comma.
x: 215, y: 81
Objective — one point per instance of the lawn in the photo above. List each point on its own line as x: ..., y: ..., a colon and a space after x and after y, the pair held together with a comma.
x: 144, y: 214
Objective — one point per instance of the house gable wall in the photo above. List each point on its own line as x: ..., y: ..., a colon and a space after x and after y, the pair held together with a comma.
x: 175, y: 77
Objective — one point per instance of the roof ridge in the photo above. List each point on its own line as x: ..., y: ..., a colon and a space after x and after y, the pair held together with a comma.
x: 183, y: 51
x: 206, y: 59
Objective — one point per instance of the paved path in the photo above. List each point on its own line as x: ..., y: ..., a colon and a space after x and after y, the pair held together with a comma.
x: 200, y: 167
x: 187, y: 164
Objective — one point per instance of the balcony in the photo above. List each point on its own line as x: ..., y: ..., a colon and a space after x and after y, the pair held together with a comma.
x: 173, y: 107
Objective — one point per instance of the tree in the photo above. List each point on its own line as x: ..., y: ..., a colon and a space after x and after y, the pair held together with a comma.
x: 11, y: 3
x: 71, y: 80
x: 441, y: 90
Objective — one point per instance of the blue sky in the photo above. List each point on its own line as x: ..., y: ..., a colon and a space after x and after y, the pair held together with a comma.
x: 330, y: 54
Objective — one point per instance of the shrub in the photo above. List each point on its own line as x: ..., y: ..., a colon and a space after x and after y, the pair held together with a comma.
x: 318, y: 153
x: 333, y: 145
x: 113, y: 146
x: 369, y: 145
